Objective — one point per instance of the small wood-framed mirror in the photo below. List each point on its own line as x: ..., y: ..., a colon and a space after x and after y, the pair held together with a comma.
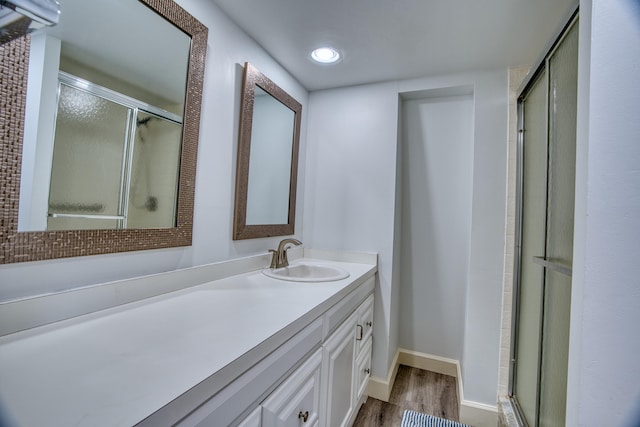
x: 267, y: 168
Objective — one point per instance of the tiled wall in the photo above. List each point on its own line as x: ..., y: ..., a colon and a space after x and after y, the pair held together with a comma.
x: 516, y: 76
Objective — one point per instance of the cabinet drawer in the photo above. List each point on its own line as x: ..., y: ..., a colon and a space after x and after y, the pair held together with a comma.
x: 364, y: 326
x: 296, y: 402
x: 336, y: 314
x: 363, y: 368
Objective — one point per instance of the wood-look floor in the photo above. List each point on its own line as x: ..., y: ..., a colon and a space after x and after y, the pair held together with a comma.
x: 414, y: 389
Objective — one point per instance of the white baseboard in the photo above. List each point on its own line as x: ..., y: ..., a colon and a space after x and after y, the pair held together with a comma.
x: 380, y: 388
x: 428, y: 362
x: 472, y: 413
x: 478, y: 414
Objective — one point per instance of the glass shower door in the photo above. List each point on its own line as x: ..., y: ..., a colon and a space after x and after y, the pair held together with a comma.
x: 116, y: 161
x: 155, y: 167
x: 563, y: 93
x: 547, y: 167
x: 534, y: 207
x: 89, y: 151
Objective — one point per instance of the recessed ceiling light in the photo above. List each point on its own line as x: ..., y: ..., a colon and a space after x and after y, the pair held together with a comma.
x: 325, y: 55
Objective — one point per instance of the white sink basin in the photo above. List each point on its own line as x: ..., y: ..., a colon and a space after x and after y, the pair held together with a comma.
x: 304, y: 272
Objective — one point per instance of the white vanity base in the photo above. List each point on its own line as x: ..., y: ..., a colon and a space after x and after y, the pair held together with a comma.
x: 210, y: 354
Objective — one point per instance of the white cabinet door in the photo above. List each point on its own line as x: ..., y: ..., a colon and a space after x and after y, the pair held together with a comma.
x: 296, y: 402
x: 363, y: 369
x: 338, y: 356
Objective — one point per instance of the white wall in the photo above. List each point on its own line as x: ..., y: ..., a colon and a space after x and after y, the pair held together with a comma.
x: 40, y: 112
x: 484, y: 295
x: 604, y: 373
x: 437, y: 170
x: 351, y: 159
x: 228, y: 49
x: 351, y: 199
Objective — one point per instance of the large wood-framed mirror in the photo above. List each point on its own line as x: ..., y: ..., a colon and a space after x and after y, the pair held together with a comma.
x: 127, y: 92
x: 267, y: 168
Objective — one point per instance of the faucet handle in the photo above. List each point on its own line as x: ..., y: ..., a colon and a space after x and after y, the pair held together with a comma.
x: 274, y: 258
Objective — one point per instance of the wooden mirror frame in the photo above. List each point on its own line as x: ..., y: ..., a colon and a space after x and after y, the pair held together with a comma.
x: 42, y: 245
x: 241, y: 230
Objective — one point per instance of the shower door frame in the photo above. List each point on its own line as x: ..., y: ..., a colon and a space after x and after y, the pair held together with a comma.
x: 542, y: 66
x: 134, y: 107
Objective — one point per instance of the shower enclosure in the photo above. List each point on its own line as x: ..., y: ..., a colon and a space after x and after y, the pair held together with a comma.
x: 115, y: 160
x: 544, y: 241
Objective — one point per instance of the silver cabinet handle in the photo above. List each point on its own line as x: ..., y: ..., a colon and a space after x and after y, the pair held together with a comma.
x: 304, y: 416
x: 369, y: 323
x: 367, y: 371
x: 360, y: 332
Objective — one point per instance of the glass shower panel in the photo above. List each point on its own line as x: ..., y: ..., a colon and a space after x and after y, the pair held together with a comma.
x: 563, y: 88
x: 534, y: 193
x: 88, y: 153
x: 555, y: 354
x: 563, y: 94
x: 153, y: 189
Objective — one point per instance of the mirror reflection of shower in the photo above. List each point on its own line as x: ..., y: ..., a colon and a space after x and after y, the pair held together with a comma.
x: 115, y: 161
x: 154, y: 172
x: 142, y: 198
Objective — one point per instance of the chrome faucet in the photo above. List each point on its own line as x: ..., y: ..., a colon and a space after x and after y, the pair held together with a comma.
x: 279, y: 256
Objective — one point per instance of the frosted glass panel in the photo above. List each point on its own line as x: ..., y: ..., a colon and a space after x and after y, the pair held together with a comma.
x: 553, y: 378
x: 548, y: 194
x: 563, y: 93
x: 533, y: 242
x: 154, y: 173
x: 563, y: 67
x: 88, y: 153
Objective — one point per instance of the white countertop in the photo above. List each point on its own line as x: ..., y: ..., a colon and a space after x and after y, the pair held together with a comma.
x: 117, y: 366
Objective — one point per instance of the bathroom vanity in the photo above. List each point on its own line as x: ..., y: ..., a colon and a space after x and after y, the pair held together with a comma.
x: 238, y: 348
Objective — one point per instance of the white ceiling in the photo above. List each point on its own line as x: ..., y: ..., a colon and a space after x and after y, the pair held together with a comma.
x: 397, y: 39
